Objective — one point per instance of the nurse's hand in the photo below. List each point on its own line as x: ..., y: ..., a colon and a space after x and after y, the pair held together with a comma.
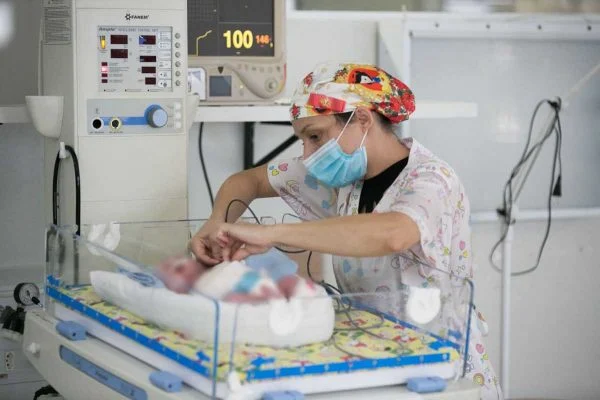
x: 204, y: 244
x: 239, y: 241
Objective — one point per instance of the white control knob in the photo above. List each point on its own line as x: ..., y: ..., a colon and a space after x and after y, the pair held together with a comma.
x: 156, y: 116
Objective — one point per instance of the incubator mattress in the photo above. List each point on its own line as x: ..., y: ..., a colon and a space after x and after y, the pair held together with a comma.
x: 278, y: 323
x: 388, y: 352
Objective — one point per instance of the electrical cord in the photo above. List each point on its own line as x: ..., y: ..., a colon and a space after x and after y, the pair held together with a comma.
x: 257, y: 221
x: 56, y: 198
x: 55, y: 192
x: 44, y: 391
x: 341, y: 306
x: 346, y: 308
x: 201, y: 153
x: 555, y: 185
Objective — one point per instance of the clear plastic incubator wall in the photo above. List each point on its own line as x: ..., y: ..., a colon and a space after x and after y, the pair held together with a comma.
x: 327, y: 342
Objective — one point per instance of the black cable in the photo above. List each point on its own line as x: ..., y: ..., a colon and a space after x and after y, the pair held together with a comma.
x: 55, y: 192
x: 558, y: 185
x: 549, y: 219
x: 524, y: 158
x: 342, y: 307
x: 257, y: 221
x: 55, y: 202
x: 289, y: 215
x: 44, y: 391
x: 308, y: 267
x: 346, y: 308
x: 56, y: 198
x: 245, y: 205
x: 77, y: 188
x: 555, y: 186
x: 329, y: 288
x: 506, y: 211
x: 201, y: 152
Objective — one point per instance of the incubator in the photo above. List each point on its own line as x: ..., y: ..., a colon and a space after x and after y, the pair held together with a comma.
x: 319, y: 344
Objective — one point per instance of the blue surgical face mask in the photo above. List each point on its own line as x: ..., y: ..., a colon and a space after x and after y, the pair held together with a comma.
x: 334, y: 168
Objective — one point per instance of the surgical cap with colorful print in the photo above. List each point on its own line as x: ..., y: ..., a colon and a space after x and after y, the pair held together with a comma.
x: 340, y: 88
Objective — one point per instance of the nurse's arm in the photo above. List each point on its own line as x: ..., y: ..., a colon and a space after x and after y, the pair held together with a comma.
x: 247, y: 186
x: 363, y: 235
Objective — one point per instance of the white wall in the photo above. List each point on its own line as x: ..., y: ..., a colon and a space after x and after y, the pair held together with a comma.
x: 21, y: 181
x: 21, y: 152
x: 555, y: 324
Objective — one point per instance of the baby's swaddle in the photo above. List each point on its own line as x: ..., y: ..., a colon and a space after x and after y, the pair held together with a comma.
x: 260, y: 277
x: 277, y: 322
x: 274, y: 263
x: 270, y: 275
x: 235, y: 278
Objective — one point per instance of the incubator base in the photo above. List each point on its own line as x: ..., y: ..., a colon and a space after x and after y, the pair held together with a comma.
x: 40, y: 328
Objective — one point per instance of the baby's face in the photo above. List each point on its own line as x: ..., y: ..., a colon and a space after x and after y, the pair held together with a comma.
x: 180, y: 273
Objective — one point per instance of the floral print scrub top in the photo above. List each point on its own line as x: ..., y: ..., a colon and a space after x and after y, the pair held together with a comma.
x: 430, y: 193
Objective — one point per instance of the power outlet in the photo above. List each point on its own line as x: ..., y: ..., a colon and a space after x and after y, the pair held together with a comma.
x: 9, y: 360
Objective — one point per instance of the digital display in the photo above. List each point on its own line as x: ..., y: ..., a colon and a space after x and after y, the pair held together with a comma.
x: 118, y: 39
x: 220, y: 85
x: 231, y: 28
x: 118, y: 53
x: 136, y: 59
x: 147, y: 39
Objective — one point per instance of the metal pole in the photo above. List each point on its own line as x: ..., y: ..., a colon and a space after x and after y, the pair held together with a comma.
x: 505, y: 322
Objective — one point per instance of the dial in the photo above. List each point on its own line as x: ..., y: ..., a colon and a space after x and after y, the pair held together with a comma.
x: 27, y: 294
x: 156, y: 116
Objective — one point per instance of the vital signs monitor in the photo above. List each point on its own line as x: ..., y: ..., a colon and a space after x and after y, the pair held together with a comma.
x: 236, y: 50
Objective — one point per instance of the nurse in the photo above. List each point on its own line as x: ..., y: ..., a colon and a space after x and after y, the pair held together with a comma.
x: 372, y: 200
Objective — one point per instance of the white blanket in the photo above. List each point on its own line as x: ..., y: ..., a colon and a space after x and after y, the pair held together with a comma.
x: 279, y: 323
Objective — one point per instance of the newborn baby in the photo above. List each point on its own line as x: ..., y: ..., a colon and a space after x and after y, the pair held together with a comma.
x: 261, y: 277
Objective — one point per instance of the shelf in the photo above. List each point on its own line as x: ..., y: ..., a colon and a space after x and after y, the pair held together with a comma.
x: 242, y: 113
x: 14, y: 114
x: 274, y: 113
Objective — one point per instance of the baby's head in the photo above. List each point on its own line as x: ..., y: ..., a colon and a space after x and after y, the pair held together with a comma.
x: 180, y: 273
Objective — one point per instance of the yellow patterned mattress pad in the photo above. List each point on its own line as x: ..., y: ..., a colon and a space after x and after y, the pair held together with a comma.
x: 362, y: 340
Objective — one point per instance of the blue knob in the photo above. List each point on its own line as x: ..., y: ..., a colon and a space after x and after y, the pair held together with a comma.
x: 156, y: 116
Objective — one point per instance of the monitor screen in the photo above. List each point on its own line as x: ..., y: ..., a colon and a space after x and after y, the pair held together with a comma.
x: 231, y: 28
x: 220, y: 86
